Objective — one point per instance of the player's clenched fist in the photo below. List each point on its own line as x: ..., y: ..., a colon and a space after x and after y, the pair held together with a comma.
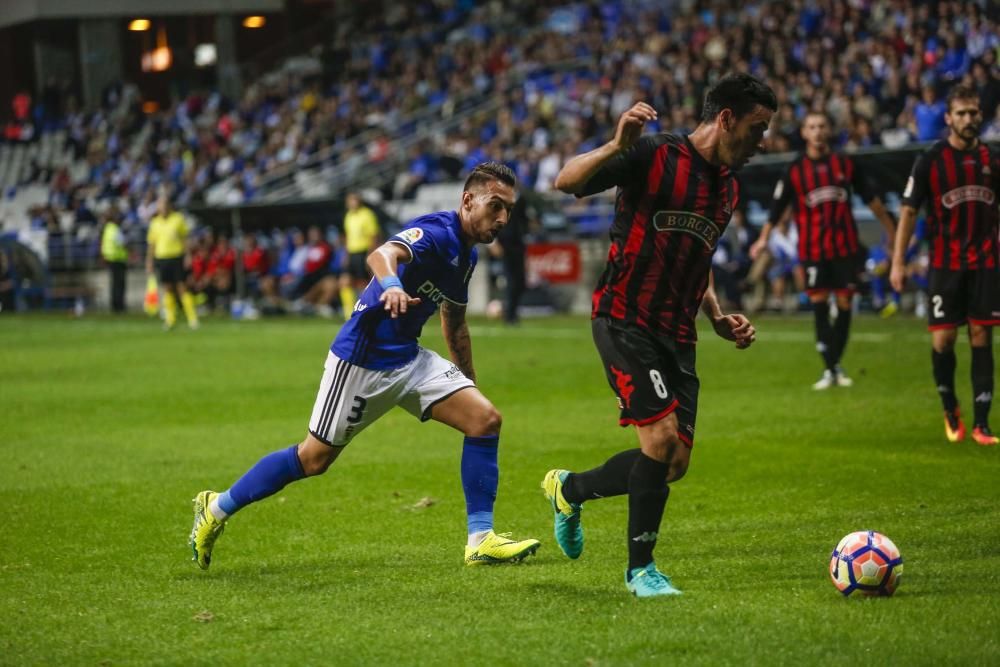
x: 631, y: 123
x: 736, y: 328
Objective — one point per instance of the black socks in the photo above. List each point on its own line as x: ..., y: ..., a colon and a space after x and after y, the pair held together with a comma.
x: 644, y: 480
x: 982, y: 384
x: 944, y: 377
x: 824, y: 334
x: 841, y: 330
x: 647, y: 496
x: 605, y: 481
x: 831, y: 340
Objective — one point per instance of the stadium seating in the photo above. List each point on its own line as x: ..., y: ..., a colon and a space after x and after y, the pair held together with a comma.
x: 390, y: 108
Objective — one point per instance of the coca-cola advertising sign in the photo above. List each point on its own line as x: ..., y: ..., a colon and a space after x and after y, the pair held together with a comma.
x: 553, y: 262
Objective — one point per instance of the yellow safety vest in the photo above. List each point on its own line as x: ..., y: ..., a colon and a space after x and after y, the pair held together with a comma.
x: 113, y: 243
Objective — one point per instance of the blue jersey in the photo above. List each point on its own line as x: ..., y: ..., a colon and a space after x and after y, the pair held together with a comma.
x: 439, y: 270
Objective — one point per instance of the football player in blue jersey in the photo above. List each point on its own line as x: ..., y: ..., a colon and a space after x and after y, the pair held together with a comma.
x: 376, y: 363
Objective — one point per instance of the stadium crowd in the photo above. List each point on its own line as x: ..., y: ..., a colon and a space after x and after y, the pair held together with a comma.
x: 878, y: 68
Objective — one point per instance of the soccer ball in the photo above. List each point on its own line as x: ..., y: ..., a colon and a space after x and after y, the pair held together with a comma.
x: 868, y: 562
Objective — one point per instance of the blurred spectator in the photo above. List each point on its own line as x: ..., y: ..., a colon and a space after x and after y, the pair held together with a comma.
x: 115, y: 255
x: 884, y: 299
x: 198, y: 279
x: 731, y: 261
x: 221, y: 264
x: 256, y: 267
x: 776, y: 268
x: 992, y: 130
x: 860, y: 136
x: 317, y: 262
x: 929, y: 115
x: 986, y: 82
x: 511, y: 248
x: 291, y: 265
x: 318, y: 286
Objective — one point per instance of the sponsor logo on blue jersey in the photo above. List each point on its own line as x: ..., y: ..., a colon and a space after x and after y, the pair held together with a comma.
x: 439, y: 270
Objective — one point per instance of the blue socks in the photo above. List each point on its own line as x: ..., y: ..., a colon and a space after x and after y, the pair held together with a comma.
x: 268, y: 476
x: 480, y: 478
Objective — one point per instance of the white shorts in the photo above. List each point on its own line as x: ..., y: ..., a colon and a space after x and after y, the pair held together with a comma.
x: 351, y: 397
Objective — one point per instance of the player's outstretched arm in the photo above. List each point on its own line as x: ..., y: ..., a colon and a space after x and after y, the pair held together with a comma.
x: 736, y: 328
x: 456, y: 337
x: 383, y: 262
x: 907, y: 223
x: 578, y: 171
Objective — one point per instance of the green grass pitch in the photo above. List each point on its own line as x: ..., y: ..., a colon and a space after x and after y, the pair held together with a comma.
x: 109, y: 427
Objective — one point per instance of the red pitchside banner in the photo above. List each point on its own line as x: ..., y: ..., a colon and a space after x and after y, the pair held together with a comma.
x: 553, y: 262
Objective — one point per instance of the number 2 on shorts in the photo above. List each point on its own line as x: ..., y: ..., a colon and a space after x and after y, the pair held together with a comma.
x: 937, y: 301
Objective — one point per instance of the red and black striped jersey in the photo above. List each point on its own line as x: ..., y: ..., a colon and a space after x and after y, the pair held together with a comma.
x: 672, y: 208
x: 960, y: 188
x: 819, y: 192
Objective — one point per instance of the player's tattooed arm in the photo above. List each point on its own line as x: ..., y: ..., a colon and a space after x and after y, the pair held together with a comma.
x: 384, y: 262
x: 456, y: 336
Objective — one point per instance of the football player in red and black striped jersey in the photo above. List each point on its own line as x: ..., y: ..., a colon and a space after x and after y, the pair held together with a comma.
x: 959, y: 180
x: 675, y: 196
x: 818, y: 186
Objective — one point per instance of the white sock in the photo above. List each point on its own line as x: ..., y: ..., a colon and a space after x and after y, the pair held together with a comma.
x: 477, y: 537
x: 217, y: 511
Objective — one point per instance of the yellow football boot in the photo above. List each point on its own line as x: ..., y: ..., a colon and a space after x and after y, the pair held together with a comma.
x: 496, y: 549
x: 206, y: 530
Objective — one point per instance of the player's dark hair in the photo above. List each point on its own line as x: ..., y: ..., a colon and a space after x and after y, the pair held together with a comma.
x: 961, y: 92
x: 490, y: 171
x: 821, y: 114
x: 738, y: 92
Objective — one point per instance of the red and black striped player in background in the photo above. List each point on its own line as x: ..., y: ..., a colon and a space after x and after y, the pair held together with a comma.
x: 818, y: 186
x: 959, y: 179
x: 675, y: 196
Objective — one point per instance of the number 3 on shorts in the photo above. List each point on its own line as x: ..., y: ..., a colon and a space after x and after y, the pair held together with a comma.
x: 357, y: 410
x: 658, y: 386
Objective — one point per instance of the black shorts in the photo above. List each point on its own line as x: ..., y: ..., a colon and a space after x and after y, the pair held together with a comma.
x: 170, y: 270
x: 836, y: 275
x: 308, y: 281
x: 651, y: 375
x: 357, y: 266
x: 957, y: 297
